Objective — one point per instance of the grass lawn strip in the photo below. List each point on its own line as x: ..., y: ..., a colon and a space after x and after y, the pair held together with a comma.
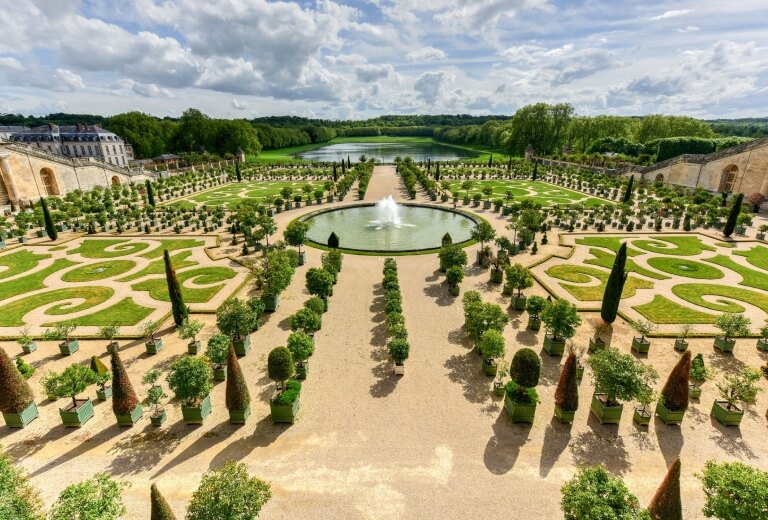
x: 611, y: 243
x: 32, y: 282
x: 663, y: 311
x: 757, y: 256
x: 538, y: 191
x: 683, y: 246
x: 172, y: 244
x: 125, y: 313
x: 178, y: 260
x: 750, y: 277
x: 685, y: 268
x: 98, y: 271
x: 12, y: 314
x: 693, y: 293
x: 158, y: 288
x: 97, y: 248
x: 19, y: 261
x: 605, y: 259
x: 583, y: 274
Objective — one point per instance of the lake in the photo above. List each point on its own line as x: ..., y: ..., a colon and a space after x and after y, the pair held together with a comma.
x: 386, y: 152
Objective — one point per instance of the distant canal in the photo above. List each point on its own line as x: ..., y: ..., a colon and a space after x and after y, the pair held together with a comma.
x: 386, y: 152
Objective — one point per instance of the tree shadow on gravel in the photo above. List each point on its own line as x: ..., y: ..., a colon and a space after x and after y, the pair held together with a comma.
x: 729, y: 439
x: 26, y: 447
x: 670, y: 439
x: 435, y: 276
x: 504, y: 446
x: 265, y: 433
x: 83, y: 446
x: 466, y: 370
x: 557, y: 435
x: 142, y: 451
x: 440, y: 293
x: 550, y: 369
x: 594, y: 447
x: 207, y: 441
x: 459, y: 337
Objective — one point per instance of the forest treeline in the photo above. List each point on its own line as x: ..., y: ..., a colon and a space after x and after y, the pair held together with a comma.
x: 548, y: 128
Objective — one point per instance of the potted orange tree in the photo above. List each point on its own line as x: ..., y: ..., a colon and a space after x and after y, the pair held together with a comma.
x: 561, y: 319
x: 63, y: 333
x: 736, y: 389
x: 284, y: 404
x: 732, y: 325
x: 301, y: 346
x: 155, y: 396
x: 492, y: 348
x: 617, y: 377
x: 698, y: 376
x: 189, y: 329
x: 153, y: 344
x: 521, y: 398
x: 236, y: 319
x: 71, y: 382
x: 190, y: 380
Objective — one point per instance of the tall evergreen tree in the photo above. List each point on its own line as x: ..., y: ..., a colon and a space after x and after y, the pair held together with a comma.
x: 666, y: 503
x: 48, y: 220
x: 349, y: 163
x: 160, y: 508
x: 180, y: 311
x: 628, y: 192
x: 333, y: 241
x: 237, y: 396
x: 675, y: 391
x: 437, y: 172
x: 567, y: 392
x: 335, y: 174
x: 535, y: 170
x: 124, y: 398
x: 614, y: 286
x: 730, y: 224
x: 150, y: 193
x: 237, y: 172
x: 490, y: 161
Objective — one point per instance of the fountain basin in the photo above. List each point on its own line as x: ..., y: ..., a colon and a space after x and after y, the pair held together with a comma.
x: 420, y: 228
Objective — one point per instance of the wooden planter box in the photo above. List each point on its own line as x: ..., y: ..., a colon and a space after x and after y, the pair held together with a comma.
x: 158, y: 420
x: 579, y: 371
x: 498, y: 389
x: 668, y: 416
x: 75, y: 417
x: 271, y: 302
x: 20, y: 420
x: 518, y: 302
x: 302, y: 369
x: 455, y: 289
x: 681, y: 345
x: 196, y: 414
x: 239, y: 416
x: 641, y: 417
x: 490, y: 368
x: 220, y: 372
x: 694, y: 392
x: 596, y: 344
x: 641, y: 345
x: 302, y: 258
x: 193, y: 348
x: 762, y: 345
x: 131, y: 418
x: 103, y: 395
x: 564, y: 417
x: 284, y: 413
x: 554, y: 347
x: 30, y: 347
x: 724, y: 345
x: 399, y: 369
x: 534, y: 324
x: 605, y: 414
x: 725, y: 416
x: 497, y: 276
x: 153, y: 347
x: 517, y: 412
x: 67, y: 348
x: 242, y: 345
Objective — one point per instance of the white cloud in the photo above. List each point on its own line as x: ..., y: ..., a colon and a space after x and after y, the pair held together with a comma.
x: 429, y: 86
x: 239, y: 105
x: 689, y: 29
x: 671, y: 14
x: 371, y: 73
x: 425, y: 54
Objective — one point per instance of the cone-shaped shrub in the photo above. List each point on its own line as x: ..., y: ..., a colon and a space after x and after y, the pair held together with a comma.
x: 179, y: 310
x: 160, y: 508
x: 124, y: 398
x: 614, y: 286
x: 15, y: 393
x: 567, y: 393
x: 666, y: 503
x: 730, y: 224
x: 628, y: 191
x: 238, y: 398
x: 150, y: 193
x: 333, y: 241
x: 675, y: 391
x: 48, y: 221
x: 237, y: 172
x: 98, y: 367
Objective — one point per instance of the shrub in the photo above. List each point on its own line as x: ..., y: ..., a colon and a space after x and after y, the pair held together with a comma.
x: 666, y: 503
x: 315, y: 304
x: 399, y: 349
x: 18, y: 499
x: 454, y: 275
x: 306, y: 320
x: 491, y: 344
x: 518, y: 278
x: 480, y: 317
x: 734, y: 491
x: 301, y: 346
x: 332, y: 262
x: 675, y: 391
x: 245, y: 495
x: 160, y: 510
x: 733, y: 324
x: 699, y: 371
x: 289, y: 394
x: 452, y: 255
x: 295, y: 233
x: 398, y: 331
x: 15, y: 393
x: 525, y: 369
x: 535, y: 305
x: 217, y: 348
x: 237, y: 396
x: 235, y: 318
x: 124, y: 399
x: 319, y: 282
x: 24, y: 368
x: 395, y: 318
x: 190, y: 379
x: 580, y: 497
x: 189, y: 329
x: 620, y: 376
x: 740, y: 388
x: 567, y: 392
x: 99, y: 498
x: 280, y: 365
x: 72, y: 381
x: 561, y: 318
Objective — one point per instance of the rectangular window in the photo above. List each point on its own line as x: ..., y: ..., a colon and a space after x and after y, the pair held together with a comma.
x: 114, y: 149
x: 121, y: 148
x: 82, y: 149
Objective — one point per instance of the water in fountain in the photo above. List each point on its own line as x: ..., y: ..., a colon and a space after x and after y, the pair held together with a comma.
x: 388, y: 215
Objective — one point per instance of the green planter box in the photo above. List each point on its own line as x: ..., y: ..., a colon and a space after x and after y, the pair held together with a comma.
x: 242, y: 345
x: 76, y: 417
x: 681, y: 345
x: 641, y: 417
x: 196, y: 414
x: 455, y: 289
x: 302, y: 258
x: 725, y: 416
x: 271, y: 302
x: 131, y: 418
x: 67, y: 348
x: 641, y: 345
x: 105, y: 394
x: 518, y: 302
x: 220, y: 373
x: 284, y: 413
x: 519, y: 412
x: 302, y: 369
x: 740, y: 230
x: 668, y: 416
x: 30, y: 347
x: 605, y: 414
x: 153, y: 347
x: 554, y: 347
x: 596, y: 344
x: 579, y: 371
x: 762, y: 345
x: 239, y: 416
x: 498, y: 389
x: 490, y: 369
x: 694, y: 392
x: 534, y: 324
x: 497, y: 276
x: 20, y: 420
x: 564, y: 417
x: 506, y: 291
x: 158, y: 420
x: 724, y: 345
x: 193, y: 348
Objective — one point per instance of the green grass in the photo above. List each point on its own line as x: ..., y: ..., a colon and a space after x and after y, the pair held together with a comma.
x: 538, y: 191
x: 172, y: 244
x: 725, y: 244
x: 12, y: 314
x: 663, y: 311
x: 57, y: 248
x: 32, y: 282
x: 749, y: 277
x: 178, y: 260
x: 125, y: 313
x: 97, y: 248
x: 693, y: 293
x: 158, y: 288
x: 757, y: 256
x: 98, y: 271
x: 683, y: 246
x: 685, y: 268
x: 231, y: 195
x: 19, y: 262
x: 605, y: 259
x: 611, y: 243
x: 583, y: 274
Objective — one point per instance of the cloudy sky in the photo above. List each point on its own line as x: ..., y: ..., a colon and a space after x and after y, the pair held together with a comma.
x: 360, y: 58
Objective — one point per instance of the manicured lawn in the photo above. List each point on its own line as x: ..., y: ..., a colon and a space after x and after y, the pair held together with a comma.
x: 583, y: 274
x: 694, y: 293
x: 172, y: 244
x: 178, y: 260
x: 674, y: 245
x: 158, y: 288
x: 605, y: 259
x: 97, y: 248
x: 750, y: 277
x: 98, y: 271
x: 232, y: 194
x: 685, y: 268
x: 19, y: 261
x: 612, y: 243
x: 32, y: 282
x: 757, y: 256
x: 12, y: 314
x: 541, y: 192
x: 664, y: 311
x: 125, y: 313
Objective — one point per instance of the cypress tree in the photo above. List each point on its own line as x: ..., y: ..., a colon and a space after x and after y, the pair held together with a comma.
x: 675, y: 391
x: 335, y: 174
x: 437, y: 171
x: 535, y: 170
x: 150, y: 193
x: 237, y: 172
x: 343, y: 167
x: 567, y: 392
x: 124, y: 398
x: 730, y: 224
x: 237, y: 396
x: 666, y: 503
x: 614, y: 286
x: 160, y: 508
x: 180, y: 311
x: 48, y: 221
x: 333, y: 241
x: 490, y: 161
x: 349, y: 163
x: 628, y: 192
x: 15, y: 393
x: 509, y: 164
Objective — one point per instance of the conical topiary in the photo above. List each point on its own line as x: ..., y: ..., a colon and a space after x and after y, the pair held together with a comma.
x: 50, y: 229
x: 97, y: 366
x: 733, y: 216
x: 150, y: 194
x: 179, y: 310
x: 333, y: 241
x: 160, y: 508
x: 614, y: 286
x: 15, y: 393
x: 628, y: 191
x: 666, y: 503
x: 567, y: 392
x: 238, y: 397
x: 124, y: 399
x: 675, y: 391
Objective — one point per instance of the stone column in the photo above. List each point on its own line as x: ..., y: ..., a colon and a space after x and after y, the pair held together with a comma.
x: 10, y: 182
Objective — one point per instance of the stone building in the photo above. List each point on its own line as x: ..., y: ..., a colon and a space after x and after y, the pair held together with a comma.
x: 78, y: 141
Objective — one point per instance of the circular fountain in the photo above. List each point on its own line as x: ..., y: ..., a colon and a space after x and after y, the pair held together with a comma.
x: 389, y: 227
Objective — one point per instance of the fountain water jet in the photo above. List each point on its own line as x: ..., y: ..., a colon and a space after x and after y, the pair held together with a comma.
x: 388, y: 213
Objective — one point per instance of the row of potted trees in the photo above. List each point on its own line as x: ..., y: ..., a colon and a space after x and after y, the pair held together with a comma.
x: 398, y: 346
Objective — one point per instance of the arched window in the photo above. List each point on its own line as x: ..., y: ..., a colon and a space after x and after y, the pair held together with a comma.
x: 728, y: 178
x: 659, y: 178
x: 49, y: 181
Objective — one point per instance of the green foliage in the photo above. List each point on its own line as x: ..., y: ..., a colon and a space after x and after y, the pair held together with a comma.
x: 561, y: 319
x: 15, y: 393
x: 615, y: 285
x: 733, y: 216
x: 518, y: 278
x: 178, y: 308
x: 277, y: 272
x: 454, y: 275
x: 101, y: 371
x: 108, y: 331
x: 60, y: 332
x: 235, y: 318
x: 480, y: 317
x: 228, y: 493
x: 483, y: 232
x: 567, y: 392
x: 50, y: 228
x: 593, y: 493
x: 644, y: 327
x: 150, y: 328
x: 535, y: 305
x: 620, y: 376
x: 666, y: 503
x: 73, y: 380
x: 237, y: 396
x: 218, y: 346
x: 492, y: 344
x: 699, y: 371
x: 189, y: 329
x: 301, y: 346
x: 333, y: 240
x: 452, y: 255
x: 733, y: 324
x: 740, y: 388
x: 160, y: 510
x: 399, y: 349
x: 190, y: 379
x: 296, y: 232
x: 319, y: 282
x: 124, y: 399
x: 98, y: 498
x: 734, y: 491
x: 525, y: 369
x: 315, y: 304
x: 289, y: 394
x: 675, y: 391
x: 674, y: 146
x: 24, y: 368
x: 332, y: 262
x: 18, y: 499
x: 306, y: 320
x: 280, y: 365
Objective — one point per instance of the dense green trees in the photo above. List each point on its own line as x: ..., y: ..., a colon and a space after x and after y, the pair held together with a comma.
x: 148, y: 135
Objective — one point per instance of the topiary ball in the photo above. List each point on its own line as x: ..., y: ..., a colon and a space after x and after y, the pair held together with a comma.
x: 525, y: 369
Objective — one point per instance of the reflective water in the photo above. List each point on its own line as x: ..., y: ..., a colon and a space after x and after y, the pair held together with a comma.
x: 386, y: 152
